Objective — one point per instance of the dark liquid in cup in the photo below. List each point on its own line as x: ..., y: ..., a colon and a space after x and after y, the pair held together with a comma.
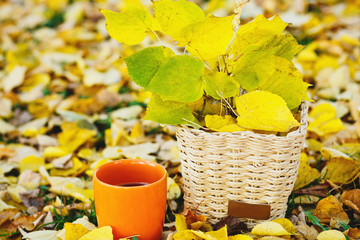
x: 133, y: 184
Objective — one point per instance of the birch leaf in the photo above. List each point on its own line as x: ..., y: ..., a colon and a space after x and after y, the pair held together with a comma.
x: 209, y: 39
x: 168, y: 112
x: 74, y: 231
x: 103, y: 233
x: 253, y: 69
x: 287, y: 82
x: 261, y: 110
x: 129, y: 27
x: 269, y: 228
x: 256, y: 31
x: 331, y: 235
x: 174, y: 16
x: 222, y: 124
x: 179, y: 79
x: 143, y: 65
x: 284, y: 46
x: 219, y: 85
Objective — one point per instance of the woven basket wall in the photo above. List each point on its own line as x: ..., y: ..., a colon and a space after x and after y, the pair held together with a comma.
x: 241, y: 166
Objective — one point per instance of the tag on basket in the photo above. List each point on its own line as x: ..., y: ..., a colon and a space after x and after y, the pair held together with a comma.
x: 248, y: 210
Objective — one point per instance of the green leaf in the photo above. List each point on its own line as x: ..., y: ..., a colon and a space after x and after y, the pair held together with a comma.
x: 287, y: 82
x: 168, y: 112
x: 220, y: 85
x: 314, y: 220
x: 143, y: 65
x: 174, y: 16
x: 129, y: 27
x: 179, y: 79
x: 253, y: 69
x: 208, y: 39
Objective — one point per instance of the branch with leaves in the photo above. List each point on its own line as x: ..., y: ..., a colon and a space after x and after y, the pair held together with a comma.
x: 245, y: 73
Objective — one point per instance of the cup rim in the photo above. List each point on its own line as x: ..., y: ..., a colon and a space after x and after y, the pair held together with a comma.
x: 164, y: 176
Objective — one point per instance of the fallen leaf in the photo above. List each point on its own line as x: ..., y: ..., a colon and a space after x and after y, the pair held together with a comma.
x: 328, y: 208
x: 308, y: 232
x: 341, y: 170
x: 39, y: 235
x: 104, y: 233
x: 269, y: 228
x: 32, y: 163
x: 351, y: 199
x: 323, y: 120
x: 14, y: 78
x: 353, y: 233
x: 286, y: 224
x: 306, y: 175
x: 331, y: 235
x: 74, y: 231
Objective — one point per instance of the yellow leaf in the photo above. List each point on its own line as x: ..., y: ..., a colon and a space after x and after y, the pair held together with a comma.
x: 314, y: 145
x: 306, y: 175
x: 173, y: 189
x: 286, y: 77
x: 331, y: 153
x: 350, y: 149
x: 240, y: 237
x: 186, y: 235
x: 74, y: 231
x: 220, y: 234
x: 287, y: 224
x: 34, y: 80
x: 76, y: 169
x: 84, y: 195
x: 103, y: 233
x: 208, y: 39
x: 54, y: 152
x: 4, y: 206
x: 341, y: 170
x: 174, y: 16
x: 222, y: 124
x: 261, y: 110
x: 328, y: 208
x: 180, y: 222
x: 331, y: 235
x: 73, y: 137
x: 137, y: 132
x: 257, y: 30
x: 271, y: 238
x: 31, y: 163
x: 130, y: 26
x: 323, y: 120
x: 269, y: 228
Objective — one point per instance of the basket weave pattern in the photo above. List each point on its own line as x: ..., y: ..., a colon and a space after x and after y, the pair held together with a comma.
x: 241, y: 166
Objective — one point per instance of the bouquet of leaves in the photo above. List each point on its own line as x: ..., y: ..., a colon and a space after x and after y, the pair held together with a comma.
x: 227, y: 79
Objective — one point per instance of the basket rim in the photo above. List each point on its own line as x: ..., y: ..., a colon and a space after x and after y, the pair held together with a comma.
x: 301, y: 130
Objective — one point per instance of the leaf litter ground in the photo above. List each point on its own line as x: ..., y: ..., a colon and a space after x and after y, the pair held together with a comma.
x: 67, y: 105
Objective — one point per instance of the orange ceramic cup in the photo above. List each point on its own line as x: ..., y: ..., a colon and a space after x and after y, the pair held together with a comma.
x: 135, y: 210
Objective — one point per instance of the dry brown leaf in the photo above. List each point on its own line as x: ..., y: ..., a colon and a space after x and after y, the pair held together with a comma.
x: 353, y: 233
x: 328, y: 208
x: 351, y: 199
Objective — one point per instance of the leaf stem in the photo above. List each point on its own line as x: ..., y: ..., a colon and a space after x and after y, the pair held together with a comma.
x: 158, y: 37
x: 228, y: 104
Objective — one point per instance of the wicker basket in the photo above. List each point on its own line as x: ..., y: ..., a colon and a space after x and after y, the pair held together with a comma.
x: 242, y: 166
